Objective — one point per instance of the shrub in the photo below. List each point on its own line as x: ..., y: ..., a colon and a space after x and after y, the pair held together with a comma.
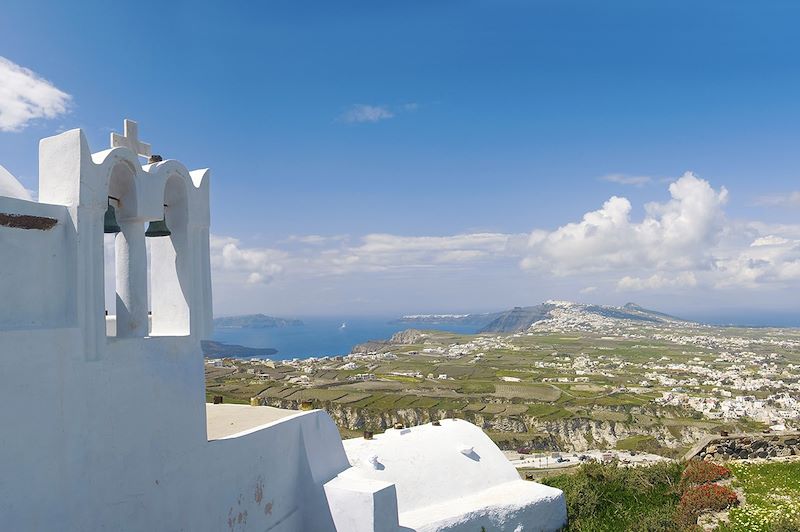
x: 604, y: 497
x: 704, y: 498
x: 700, y: 472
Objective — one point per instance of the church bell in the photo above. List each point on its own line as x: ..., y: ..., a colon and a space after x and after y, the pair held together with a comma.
x: 110, y: 224
x: 158, y: 228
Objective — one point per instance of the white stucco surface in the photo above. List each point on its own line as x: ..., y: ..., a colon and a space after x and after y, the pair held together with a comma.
x: 227, y: 420
x: 105, y: 425
x: 453, y: 477
x: 10, y: 187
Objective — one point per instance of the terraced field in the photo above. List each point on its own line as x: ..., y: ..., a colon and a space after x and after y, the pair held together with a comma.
x: 584, y: 385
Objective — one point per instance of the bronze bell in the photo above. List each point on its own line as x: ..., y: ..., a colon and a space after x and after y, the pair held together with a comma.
x: 110, y: 224
x: 158, y: 228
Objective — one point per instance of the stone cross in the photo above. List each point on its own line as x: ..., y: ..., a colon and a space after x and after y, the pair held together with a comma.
x: 130, y: 139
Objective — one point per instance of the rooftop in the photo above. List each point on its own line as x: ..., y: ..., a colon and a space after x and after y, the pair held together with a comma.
x: 224, y: 421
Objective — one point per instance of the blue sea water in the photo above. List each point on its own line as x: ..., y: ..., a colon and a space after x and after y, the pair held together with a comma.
x: 326, y: 336
x: 323, y: 336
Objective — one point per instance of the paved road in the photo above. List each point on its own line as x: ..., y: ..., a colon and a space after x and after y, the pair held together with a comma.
x: 549, y: 460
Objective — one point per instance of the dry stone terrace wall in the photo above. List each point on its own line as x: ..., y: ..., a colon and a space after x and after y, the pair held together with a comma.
x: 570, y: 435
x: 747, y: 447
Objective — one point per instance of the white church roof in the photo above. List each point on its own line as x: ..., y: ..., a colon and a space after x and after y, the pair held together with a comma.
x: 452, y: 475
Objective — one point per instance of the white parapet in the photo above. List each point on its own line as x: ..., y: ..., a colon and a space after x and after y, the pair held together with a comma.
x: 362, y: 505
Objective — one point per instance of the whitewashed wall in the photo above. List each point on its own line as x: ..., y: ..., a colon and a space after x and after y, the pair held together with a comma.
x: 36, y: 280
x: 100, y: 432
x: 120, y: 444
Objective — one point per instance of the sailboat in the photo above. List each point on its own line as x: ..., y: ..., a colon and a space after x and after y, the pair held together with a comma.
x: 343, y: 325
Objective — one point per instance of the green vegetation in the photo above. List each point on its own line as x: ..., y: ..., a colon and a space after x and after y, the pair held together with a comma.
x: 548, y: 412
x: 772, y: 495
x: 472, y: 387
x: 670, y: 497
x: 605, y: 497
x: 531, y: 392
x: 649, y: 444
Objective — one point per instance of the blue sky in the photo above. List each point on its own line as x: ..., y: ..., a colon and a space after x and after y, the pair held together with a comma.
x: 429, y: 156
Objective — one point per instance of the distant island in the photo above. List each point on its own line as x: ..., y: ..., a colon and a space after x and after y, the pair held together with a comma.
x: 254, y: 321
x: 519, y: 319
x: 478, y: 320
x: 212, y: 349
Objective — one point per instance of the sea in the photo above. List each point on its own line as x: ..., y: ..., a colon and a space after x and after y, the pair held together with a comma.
x: 324, y: 336
x: 329, y: 336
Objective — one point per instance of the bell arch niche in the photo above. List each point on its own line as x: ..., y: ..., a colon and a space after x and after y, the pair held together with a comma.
x: 170, y: 264
x: 130, y: 257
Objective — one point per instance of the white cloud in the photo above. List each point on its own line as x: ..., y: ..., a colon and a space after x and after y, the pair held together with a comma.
x: 317, y: 240
x: 623, y: 179
x: 24, y: 97
x: 373, y: 253
x: 257, y: 278
x: 789, y: 199
x: 677, y: 234
x: 657, y: 281
x: 385, y: 251
x: 255, y: 265
x: 682, y: 243
x: 360, y: 113
x: 769, y: 259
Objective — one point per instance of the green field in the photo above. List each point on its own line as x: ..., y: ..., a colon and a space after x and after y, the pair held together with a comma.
x: 537, y: 380
x: 772, y: 493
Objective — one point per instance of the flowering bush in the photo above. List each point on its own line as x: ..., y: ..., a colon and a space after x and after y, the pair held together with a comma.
x: 704, y: 498
x: 699, y: 472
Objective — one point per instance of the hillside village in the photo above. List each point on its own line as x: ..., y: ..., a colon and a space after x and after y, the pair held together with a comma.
x: 665, y: 383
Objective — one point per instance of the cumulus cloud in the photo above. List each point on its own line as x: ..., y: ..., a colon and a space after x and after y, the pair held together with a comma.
x: 24, y: 97
x: 769, y: 259
x: 360, y: 113
x: 677, y: 234
x: 254, y: 265
x: 623, y: 179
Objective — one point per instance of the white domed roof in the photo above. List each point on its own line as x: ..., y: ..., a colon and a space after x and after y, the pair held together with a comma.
x: 10, y: 187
